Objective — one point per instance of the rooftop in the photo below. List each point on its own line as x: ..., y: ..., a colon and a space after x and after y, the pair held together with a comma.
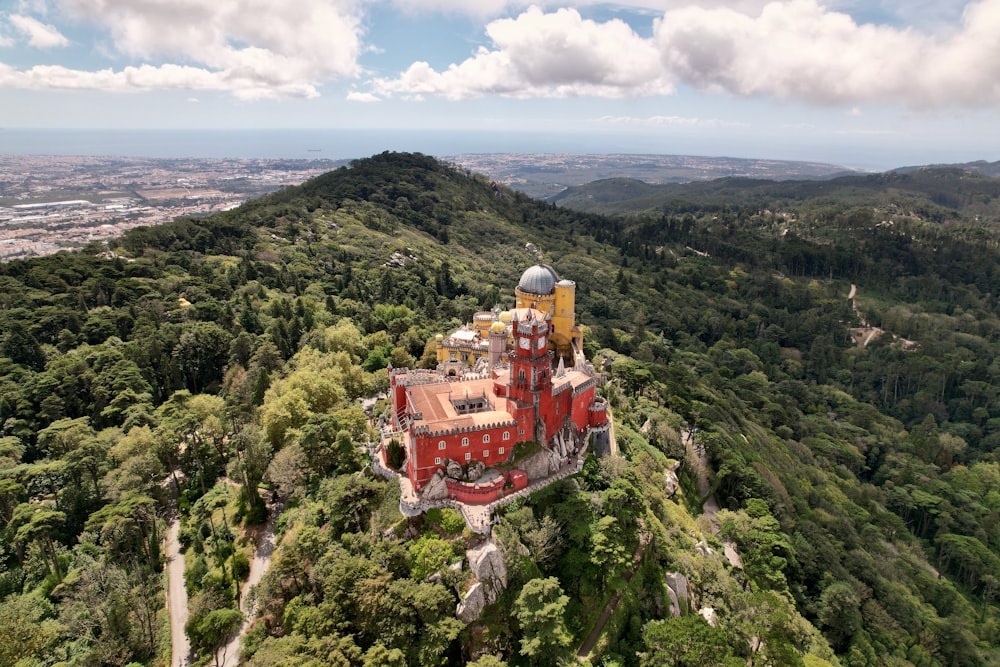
x: 434, y: 403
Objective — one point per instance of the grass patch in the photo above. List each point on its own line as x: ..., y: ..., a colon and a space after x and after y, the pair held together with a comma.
x: 522, y: 452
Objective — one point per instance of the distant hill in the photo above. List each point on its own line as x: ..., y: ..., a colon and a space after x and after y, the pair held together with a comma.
x: 543, y: 175
x: 944, y: 193
x: 979, y: 166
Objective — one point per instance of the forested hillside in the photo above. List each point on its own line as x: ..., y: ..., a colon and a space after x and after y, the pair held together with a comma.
x: 935, y: 194
x: 213, y: 368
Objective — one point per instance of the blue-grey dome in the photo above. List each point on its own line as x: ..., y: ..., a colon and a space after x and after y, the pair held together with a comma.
x: 538, y: 279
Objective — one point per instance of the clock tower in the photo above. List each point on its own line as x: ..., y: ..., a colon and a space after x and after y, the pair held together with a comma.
x: 531, y: 366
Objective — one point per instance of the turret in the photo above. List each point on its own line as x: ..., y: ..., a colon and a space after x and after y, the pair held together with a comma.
x: 498, y: 343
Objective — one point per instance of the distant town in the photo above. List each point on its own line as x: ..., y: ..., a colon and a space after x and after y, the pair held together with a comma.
x: 52, y: 203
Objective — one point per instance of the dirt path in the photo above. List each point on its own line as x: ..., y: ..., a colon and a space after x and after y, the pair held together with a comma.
x: 710, y: 505
x: 230, y: 656
x: 591, y: 641
x: 180, y: 648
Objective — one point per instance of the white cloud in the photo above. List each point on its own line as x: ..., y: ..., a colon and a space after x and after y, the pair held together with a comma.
x: 357, y: 96
x: 784, y: 49
x: 486, y: 8
x: 145, y: 78
x: 540, y: 54
x: 40, y: 35
x: 252, y: 48
x: 799, y: 50
x: 681, y: 121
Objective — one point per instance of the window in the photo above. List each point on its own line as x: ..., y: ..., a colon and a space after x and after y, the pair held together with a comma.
x: 465, y: 442
x: 501, y: 451
x: 468, y: 456
x: 437, y: 460
x: 486, y: 438
x: 506, y: 436
x: 486, y: 453
x: 441, y: 444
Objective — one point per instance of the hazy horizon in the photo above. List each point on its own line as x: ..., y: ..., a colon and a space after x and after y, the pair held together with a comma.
x: 340, y: 144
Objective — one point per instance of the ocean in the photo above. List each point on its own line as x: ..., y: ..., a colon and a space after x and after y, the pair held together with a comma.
x: 304, y: 143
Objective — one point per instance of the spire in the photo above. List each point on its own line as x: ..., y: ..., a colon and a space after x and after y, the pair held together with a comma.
x: 561, y: 369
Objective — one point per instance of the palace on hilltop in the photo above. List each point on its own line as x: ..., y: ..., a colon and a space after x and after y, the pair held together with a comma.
x: 509, y: 377
x: 539, y: 289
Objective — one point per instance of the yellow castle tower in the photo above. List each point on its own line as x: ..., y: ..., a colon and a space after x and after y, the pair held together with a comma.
x: 540, y: 288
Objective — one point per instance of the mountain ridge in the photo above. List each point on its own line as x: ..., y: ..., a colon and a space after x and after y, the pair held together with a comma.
x: 856, y: 481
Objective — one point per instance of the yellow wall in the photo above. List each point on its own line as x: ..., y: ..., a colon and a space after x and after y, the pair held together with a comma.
x: 564, y: 317
x: 545, y: 303
x: 562, y: 307
x: 444, y: 353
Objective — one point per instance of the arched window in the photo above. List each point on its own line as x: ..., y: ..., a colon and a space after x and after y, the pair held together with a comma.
x: 486, y: 438
x: 442, y: 444
x: 465, y: 442
x: 506, y: 435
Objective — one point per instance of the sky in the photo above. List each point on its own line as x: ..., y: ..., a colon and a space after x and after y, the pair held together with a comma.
x: 866, y: 83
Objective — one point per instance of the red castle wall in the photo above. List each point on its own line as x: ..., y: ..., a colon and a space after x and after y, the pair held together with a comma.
x: 481, y: 494
x: 431, y: 455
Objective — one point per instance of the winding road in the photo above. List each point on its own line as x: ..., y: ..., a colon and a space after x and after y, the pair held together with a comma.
x: 177, y: 601
x: 258, y: 567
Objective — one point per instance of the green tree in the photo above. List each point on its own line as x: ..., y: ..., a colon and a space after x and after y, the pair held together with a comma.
x: 28, y: 630
x: 685, y: 641
x: 539, y: 610
x: 429, y: 555
x: 839, y: 613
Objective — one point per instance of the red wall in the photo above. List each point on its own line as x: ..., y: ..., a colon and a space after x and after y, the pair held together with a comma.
x: 487, y: 493
x: 428, y: 449
x: 581, y: 409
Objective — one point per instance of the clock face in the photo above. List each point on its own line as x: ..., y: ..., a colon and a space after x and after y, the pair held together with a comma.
x: 525, y: 343
x: 541, y: 343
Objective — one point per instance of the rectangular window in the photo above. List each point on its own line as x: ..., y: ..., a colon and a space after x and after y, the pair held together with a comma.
x: 501, y: 451
x: 437, y: 460
x: 486, y: 453
x: 441, y: 445
x: 468, y: 456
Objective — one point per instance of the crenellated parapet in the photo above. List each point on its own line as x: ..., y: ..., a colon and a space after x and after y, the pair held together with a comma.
x: 461, y: 430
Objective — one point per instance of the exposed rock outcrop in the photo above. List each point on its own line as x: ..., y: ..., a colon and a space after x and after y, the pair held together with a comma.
x: 677, y: 588
x: 472, y: 604
x: 541, y: 465
x: 709, y: 615
x: 475, y: 471
x: 675, y: 607
x: 436, y: 489
x: 453, y: 470
x: 670, y: 483
x: 487, y: 564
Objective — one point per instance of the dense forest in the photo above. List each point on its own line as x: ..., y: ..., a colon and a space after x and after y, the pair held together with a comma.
x: 212, y: 370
